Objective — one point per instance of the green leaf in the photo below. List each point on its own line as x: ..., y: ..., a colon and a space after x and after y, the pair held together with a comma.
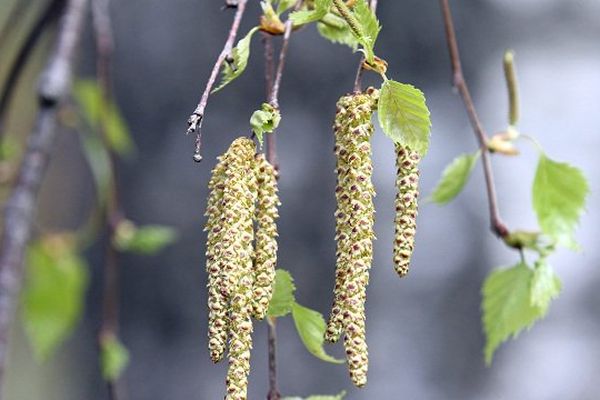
x: 339, y: 396
x: 559, y: 195
x: 311, y: 328
x: 98, y: 160
x: 146, y: 240
x: 337, y: 30
x: 284, y: 5
x: 53, y: 295
x: 265, y: 120
x: 283, y: 294
x: 304, y: 17
x: 404, y: 116
x: 114, y: 358
x: 100, y: 114
x: 369, y: 26
x: 507, y: 307
x: 545, y: 286
x: 239, y: 60
x: 454, y: 178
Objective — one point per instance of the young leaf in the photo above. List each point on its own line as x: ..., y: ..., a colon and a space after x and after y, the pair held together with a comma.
x: 114, y: 358
x: 146, y: 240
x: 284, y: 5
x: 507, y: 307
x: 265, y: 120
x: 559, y: 194
x: 404, y: 116
x: 101, y: 114
x: 304, y: 17
x: 545, y: 285
x: 239, y: 60
x: 336, y: 30
x: 311, y: 328
x: 369, y: 26
x: 454, y: 178
x: 98, y: 160
x: 283, y: 294
x: 53, y: 296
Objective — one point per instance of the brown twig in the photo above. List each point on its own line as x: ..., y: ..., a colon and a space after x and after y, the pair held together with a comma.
x: 497, y: 226
x: 359, y: 72
x: 195, y: 120
x: 19, y: 210
x: 113, y: 213
x: 49, y: 14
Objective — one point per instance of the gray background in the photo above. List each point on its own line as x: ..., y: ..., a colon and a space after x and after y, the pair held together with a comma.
x: 424, y: 332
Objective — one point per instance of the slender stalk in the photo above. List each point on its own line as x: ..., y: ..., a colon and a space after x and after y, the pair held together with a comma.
x: 272, y: 343
x: 113, y: 212
x: 359, y: 72
x: 20, y: 208
x: 497, y: 225
x: 49, y: 14
x: 195, y: 120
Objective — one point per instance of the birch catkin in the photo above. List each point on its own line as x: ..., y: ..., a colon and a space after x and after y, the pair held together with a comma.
x: 354, y: 228
x: 266, y: 236
x: 243, y: 194
x: 407, y: 183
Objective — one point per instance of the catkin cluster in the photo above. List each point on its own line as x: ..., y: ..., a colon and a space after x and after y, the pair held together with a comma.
x: 407, y: 184
x: 240, y: 261
x: 354, y: 228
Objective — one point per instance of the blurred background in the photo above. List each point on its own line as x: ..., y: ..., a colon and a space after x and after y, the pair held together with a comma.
x: 424, y: 332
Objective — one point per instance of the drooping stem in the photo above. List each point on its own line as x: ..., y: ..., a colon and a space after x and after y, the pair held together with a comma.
x: 272, y: 344
x: 359, y: 72
x: 497, y: 225
x: 195, y: 120
x: 19, y: 211
x: 109, y: 329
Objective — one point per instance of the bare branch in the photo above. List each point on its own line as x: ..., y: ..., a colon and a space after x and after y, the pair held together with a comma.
x: 19, y: 211
x: 195, y: 120
x: 497, y: 226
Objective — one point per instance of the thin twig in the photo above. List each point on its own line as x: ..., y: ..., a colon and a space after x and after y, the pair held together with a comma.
x: 359, y: 72
x: 49, y: 14
x: 195, y: 120
x: 20, y: 208
x: 497, y: 226
x: 113, y: 213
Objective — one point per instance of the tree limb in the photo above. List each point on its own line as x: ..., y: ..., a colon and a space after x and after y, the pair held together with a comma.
x: 19, y: 211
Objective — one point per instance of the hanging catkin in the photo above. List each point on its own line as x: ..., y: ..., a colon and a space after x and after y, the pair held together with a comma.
x: 266, y: 236
x: 407, y: 183
x: 218, y: 318
x: 354, y: 228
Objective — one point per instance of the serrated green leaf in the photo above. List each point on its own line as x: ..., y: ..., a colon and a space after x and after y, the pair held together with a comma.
x: 559, y: 195
x: 53, y: 296
x: 283, y: 298
x: 369, y: 27
x: 106, y: 115
x: 265, y: 120
x: 311, y: 326
x: 339, y: 396
x: 507, y: 308
x: 114, y: 358
x: 337, y: 30
x: 146, y: 240
x: 545, y: 286
x: 404, y: 116
x: 239, y: 60
x: 304, y: 17
x: 454, y: 178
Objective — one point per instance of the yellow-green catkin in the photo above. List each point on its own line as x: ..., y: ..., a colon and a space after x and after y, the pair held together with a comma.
x: 354, y: 228
x: 218, y: 318
x: 266, y: 236
x: 407, y: 183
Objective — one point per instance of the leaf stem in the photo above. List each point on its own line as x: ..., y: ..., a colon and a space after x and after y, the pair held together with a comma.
x: 195, y: 120
x: 497, y: 225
